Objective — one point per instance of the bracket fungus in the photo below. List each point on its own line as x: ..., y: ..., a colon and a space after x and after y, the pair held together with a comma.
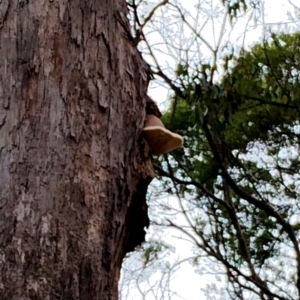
x: 160, y: 139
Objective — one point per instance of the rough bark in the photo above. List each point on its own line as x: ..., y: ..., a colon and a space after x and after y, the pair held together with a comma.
x: 74, y: 167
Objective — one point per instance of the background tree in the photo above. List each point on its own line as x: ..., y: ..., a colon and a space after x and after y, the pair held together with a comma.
x: 73, y: 165
x: 200, y: 71
x: 240, y: 168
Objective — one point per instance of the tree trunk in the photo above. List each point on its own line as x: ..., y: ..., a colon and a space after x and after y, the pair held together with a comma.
x: 74, y: 167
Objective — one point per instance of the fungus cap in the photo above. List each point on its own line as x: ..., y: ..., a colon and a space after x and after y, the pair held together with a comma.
x: 160, y: 139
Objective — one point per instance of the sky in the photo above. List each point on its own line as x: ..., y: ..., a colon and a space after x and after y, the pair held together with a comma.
x: 276, y: 17
x: 187, y: 283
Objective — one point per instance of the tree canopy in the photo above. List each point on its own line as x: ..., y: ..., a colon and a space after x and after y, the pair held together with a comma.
x: 237, y: 176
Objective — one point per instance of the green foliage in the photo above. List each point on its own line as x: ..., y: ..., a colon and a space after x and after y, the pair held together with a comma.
x: 262, y: 84
x: 151, y: 251
x: 235, y: 7
x: 237, y: 159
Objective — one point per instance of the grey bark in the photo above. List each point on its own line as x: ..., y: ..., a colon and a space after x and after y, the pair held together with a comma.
x: 74, y: 167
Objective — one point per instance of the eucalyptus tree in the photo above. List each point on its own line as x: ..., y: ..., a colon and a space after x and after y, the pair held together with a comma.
x: 74, y: 168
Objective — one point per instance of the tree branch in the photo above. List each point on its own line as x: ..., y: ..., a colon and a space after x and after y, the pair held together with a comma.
x: 214, y: 142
